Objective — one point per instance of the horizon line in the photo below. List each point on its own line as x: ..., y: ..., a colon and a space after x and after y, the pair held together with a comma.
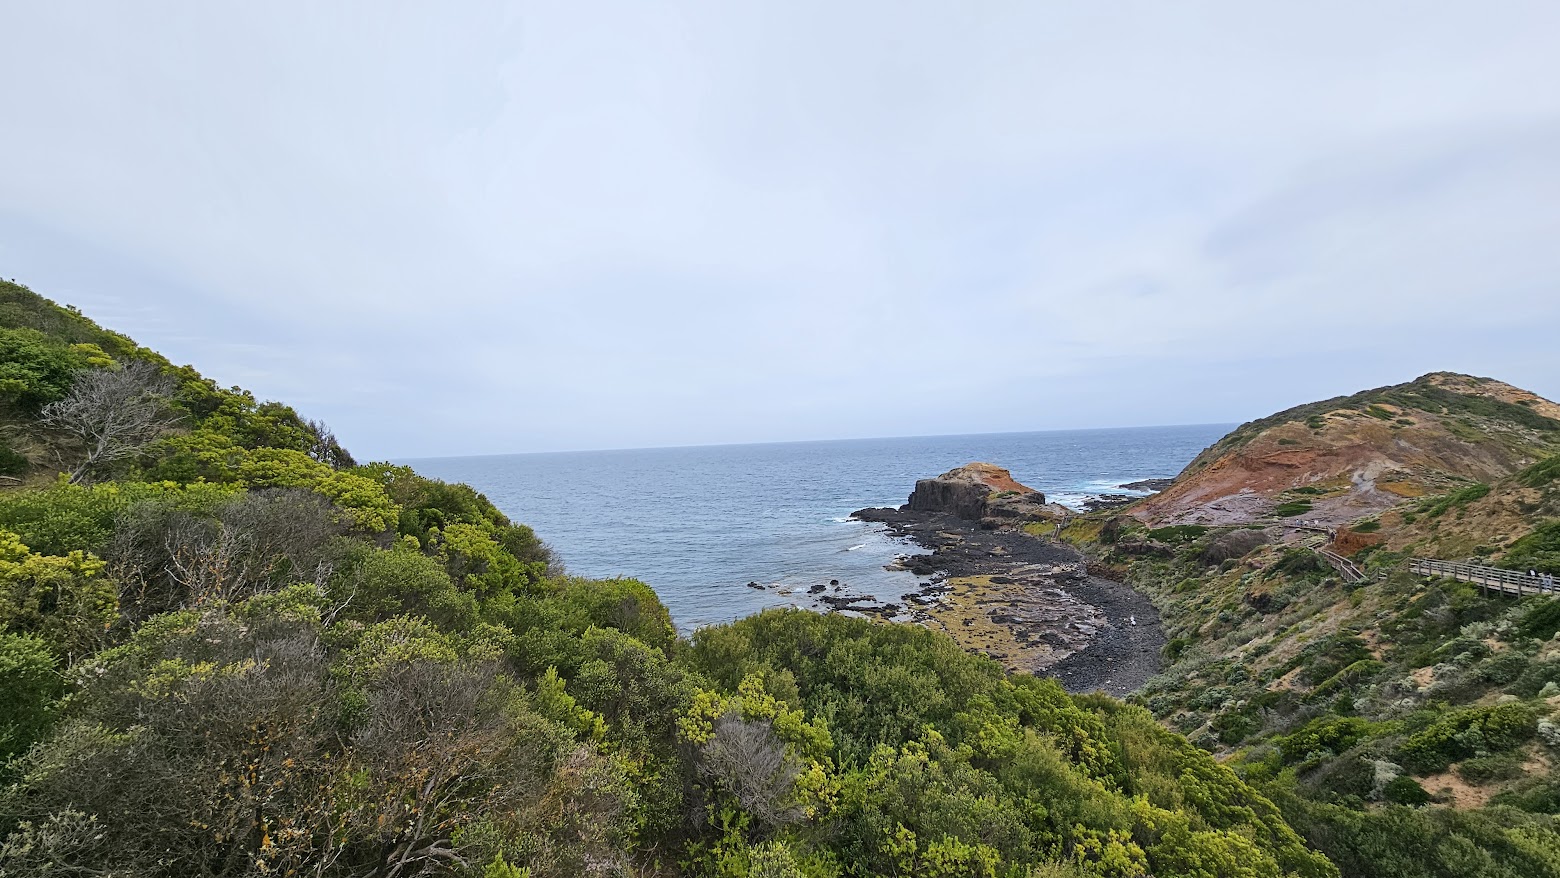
x: 399, y: 459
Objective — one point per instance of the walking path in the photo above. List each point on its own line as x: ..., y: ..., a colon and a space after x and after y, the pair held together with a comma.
x: 1346, y: 568
x: 1512, y: 582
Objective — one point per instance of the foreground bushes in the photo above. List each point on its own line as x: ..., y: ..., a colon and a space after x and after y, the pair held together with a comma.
x: 220, y: 680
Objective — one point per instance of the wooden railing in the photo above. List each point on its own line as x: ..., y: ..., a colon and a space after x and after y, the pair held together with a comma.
x: 1512, y: 582
x: 1346, y: 568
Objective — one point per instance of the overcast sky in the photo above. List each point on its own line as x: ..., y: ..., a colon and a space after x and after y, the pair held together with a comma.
x: 455, y: 228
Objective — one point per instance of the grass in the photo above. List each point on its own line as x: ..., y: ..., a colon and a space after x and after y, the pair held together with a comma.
x: 1438, y: 506
x: 1545, y: 472
x: 1178, y: 533
x: 1292, y: 508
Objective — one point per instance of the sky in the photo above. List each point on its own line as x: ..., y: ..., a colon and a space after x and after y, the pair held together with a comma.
x: 472, y: 228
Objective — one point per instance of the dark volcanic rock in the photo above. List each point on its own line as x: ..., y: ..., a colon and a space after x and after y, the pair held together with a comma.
x: 966, y: 499
x: 1148, y: 485
x: 976, y: 491
x: 1106, y: 501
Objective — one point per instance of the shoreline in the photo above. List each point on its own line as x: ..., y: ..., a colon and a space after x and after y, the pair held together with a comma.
x: 1027, y: 602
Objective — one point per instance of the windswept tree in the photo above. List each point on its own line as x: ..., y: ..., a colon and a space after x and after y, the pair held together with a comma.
x: 326, y: 449
x: 112, y: 414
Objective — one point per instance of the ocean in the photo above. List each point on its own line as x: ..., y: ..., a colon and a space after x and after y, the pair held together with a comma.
x: 700, y: 523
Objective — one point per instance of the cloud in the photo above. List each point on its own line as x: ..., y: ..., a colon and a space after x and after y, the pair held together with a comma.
x: 494, y: 227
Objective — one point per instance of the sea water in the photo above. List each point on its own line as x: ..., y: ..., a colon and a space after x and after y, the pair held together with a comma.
x: 700, y: 523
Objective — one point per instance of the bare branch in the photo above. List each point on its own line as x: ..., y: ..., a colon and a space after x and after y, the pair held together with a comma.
x: 113, y: 414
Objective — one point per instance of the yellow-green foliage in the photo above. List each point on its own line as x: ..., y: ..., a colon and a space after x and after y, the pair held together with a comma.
x: 63, y: 600
x: 66, y: 517
x: 1082, y: 530
x: 217, y: 457
x: 944, y: 763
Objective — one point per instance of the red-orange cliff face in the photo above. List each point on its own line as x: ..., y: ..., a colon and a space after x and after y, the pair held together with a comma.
x: 1355, y: 456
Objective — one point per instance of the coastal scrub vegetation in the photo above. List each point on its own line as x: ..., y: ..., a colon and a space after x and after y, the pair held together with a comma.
x: 228, y: 649
x: 1403, y: 726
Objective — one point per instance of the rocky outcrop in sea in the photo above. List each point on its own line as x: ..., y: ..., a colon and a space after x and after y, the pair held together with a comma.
x: 975, y: 492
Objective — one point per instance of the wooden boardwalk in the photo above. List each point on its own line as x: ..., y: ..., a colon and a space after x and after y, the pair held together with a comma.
x: 1346, y: 568
x: 1512, y: 582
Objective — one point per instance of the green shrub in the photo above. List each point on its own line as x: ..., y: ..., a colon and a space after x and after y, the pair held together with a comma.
x: 1366, y: 527
x: 1488, y: 769
x: 12, y: 462
x: 1404, y: 790
x: 1545, y: 472
x: 1292, y: 508
x: 1407, y: 842
x: 1502, y: 668
x: 29, y: 686
x: 1464, y: 733
x: 66, y: 518
x: 35, y: 369
x: 1537, y: 795
x: 1533, y: 678
x: 1236, y: 726
x: 1299, y: 562
x: 1333, y: 734
x: 1351, y: 676
x: 1178, y: 533
x: 1539, y: 550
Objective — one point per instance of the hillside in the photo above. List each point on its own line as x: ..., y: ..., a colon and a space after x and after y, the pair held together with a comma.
x: 1348, y: 457
x: 228, y: 649
x: 1406, y: 726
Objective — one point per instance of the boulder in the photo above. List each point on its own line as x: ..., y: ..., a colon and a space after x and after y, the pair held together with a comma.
x: 976, y: 491
x: 1148, y: 485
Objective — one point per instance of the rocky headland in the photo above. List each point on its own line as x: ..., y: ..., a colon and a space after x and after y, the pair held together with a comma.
x: 1000, y: 587
x: 1340, y: 460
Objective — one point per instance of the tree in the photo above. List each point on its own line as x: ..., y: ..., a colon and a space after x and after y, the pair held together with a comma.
x: 326, y: 449
x: 166, y: 557
x: 113, y: 414
x: 34, y: 369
